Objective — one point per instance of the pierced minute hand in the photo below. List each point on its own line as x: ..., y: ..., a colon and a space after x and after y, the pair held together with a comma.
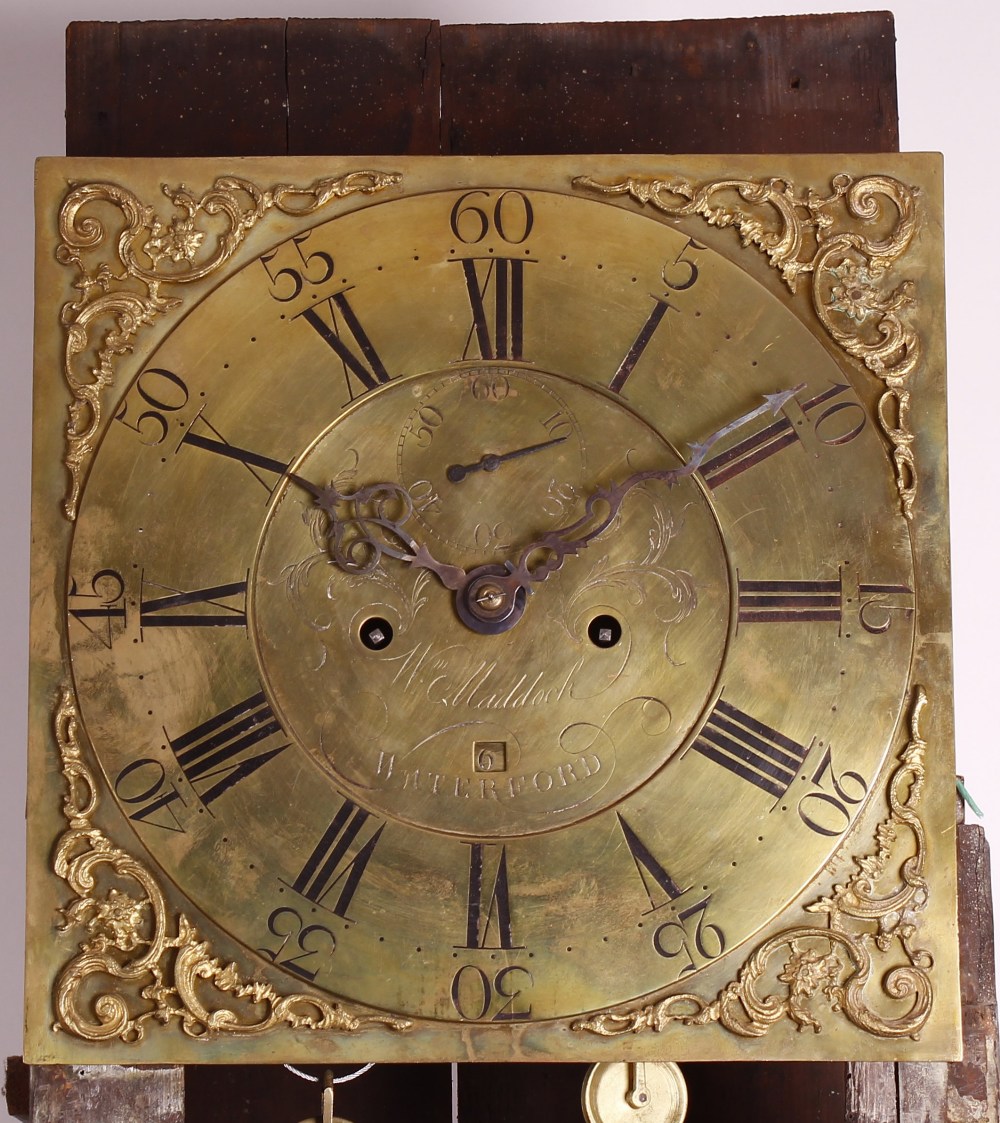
x: 492, y: 460
x: 556, y: 545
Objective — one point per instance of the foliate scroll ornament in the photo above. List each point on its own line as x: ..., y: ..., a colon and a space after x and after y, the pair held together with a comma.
x: 870, y: 940
x: 373, y: 526
x: 139, y: 965
x: 847, y: 243
x: 125, y: 273
x: 669, y: 593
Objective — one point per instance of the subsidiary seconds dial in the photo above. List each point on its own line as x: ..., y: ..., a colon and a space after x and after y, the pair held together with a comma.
x: 481, y: 437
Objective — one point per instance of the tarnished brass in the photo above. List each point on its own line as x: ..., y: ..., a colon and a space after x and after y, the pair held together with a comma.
x: 491, y: 609
x: 131, y: 938
x: 123, y: 293
x: 819, y: 235
x: 811, y: 959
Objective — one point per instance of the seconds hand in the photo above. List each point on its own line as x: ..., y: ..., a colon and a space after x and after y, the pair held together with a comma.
x: 492, y: 460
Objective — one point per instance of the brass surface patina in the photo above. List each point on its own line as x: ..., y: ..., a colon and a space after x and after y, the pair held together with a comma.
x: 634, y: 1092
x: 491, y: 609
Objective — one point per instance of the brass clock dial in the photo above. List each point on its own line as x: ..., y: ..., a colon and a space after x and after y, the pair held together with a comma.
x: 491, y: 606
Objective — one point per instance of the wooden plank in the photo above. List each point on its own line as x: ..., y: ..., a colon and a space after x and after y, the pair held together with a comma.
x: 520, y: 1093
x: 364, y: 86
x: 766, y: 1091
x: 973, y: 1084
x: 871, y: 1093
x: 93, y: 126
x: 107, y: 1094
x: 923, y: 1093
x: 780, y: 84
x: 17, y: 1088
x: 269, y: 86
x: 181, y: 87
x: 964, y: 1091
x: 252, y: 87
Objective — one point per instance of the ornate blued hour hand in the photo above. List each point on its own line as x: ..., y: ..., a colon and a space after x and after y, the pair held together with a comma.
x: 368, y: 523
x: 455, y: 473
x: 546, y: 554
x: 364, y: 524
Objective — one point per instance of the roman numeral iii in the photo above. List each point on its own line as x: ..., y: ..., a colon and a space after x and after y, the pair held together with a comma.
x: 789, y: 601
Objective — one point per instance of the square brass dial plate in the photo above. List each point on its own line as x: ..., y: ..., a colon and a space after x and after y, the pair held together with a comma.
x: 490, y: 609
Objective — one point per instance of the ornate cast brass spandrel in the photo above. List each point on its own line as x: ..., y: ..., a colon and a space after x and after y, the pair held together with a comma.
x: 875, y: 913
x: 125, y: 278
x: 151, y: 967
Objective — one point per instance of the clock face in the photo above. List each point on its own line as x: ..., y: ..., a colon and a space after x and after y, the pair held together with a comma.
x: 485, y: 612
x: 384, y: 763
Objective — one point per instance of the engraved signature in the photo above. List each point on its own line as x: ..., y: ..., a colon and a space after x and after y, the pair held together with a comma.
x: 430, y: 670
x: 542, y: 782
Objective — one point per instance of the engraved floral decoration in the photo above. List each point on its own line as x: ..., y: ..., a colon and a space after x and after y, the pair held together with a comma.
x: 136, y: 963
x: 372, y: 525
x: 669, y: 593
x: 847, y: 243
x: 126, y: 271
x: 871, y: 934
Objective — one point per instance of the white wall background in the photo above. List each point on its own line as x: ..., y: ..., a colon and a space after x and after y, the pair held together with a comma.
x: 948, y: 101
